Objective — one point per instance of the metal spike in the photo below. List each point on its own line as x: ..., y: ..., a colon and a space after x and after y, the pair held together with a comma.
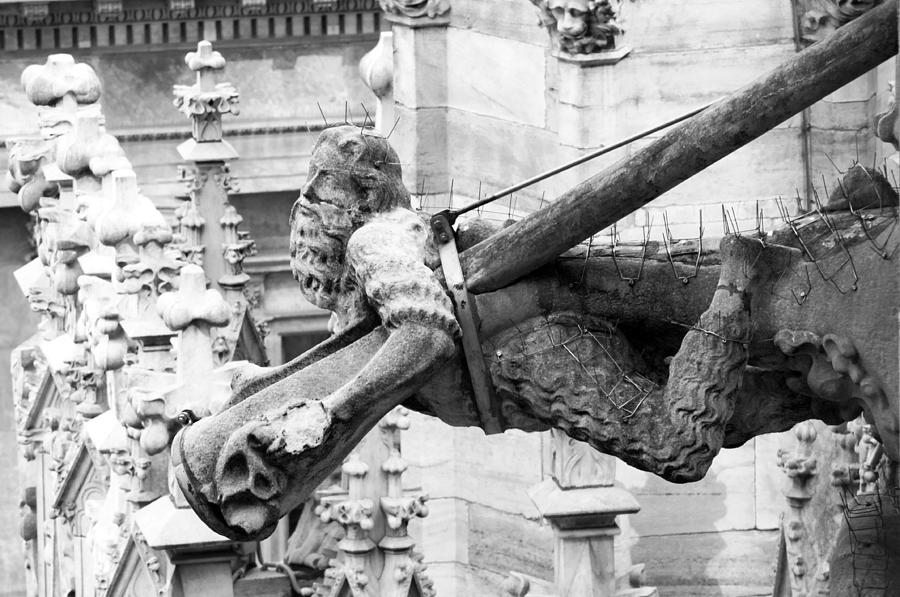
x: 396, y: 122
x: 587, y: 256
x: 828, y: 157
x: 368, y: 117
x: 322, y: 112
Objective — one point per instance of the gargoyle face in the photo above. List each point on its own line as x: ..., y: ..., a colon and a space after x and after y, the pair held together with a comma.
x: 571, y: 16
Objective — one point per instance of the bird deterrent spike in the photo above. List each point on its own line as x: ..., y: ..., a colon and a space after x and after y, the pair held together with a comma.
x: 816, y: 200
x: 322, y: 112
x: 543, y: 196
x: 825, y: 186
x: 587, y: 256
x: 366, y: 119
x: 346, y: 112
x: 839, y: 171
x: 801, y: 204
x: 760, y: 223
x: 396, y: 122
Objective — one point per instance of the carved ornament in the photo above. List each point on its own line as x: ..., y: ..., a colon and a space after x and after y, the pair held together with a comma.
x: 416, y: 9
x: 580, y: 26
x: 822, y: 17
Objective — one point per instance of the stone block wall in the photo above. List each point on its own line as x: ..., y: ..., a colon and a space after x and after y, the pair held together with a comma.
x: 481, y: 523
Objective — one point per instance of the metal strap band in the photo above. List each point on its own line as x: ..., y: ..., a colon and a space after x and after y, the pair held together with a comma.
x: 469, y: 323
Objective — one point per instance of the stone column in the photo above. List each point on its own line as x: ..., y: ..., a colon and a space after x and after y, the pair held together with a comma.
x: 420, y: 91
x: 581, y: 504
x: 800, y: 468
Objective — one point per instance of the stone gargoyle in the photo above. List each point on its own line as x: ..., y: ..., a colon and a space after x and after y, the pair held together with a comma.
x: 658, y: 358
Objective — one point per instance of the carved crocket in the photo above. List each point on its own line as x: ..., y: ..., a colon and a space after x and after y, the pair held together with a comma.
x: 748, y: 342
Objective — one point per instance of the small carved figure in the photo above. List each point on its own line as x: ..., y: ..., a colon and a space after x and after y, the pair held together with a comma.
x: 580, y: 26
x: 823, y: 17
x: 416, y: 8
x: 555, y: 359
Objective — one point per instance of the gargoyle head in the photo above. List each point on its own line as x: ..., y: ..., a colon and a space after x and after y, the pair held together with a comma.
x: 353, y: 175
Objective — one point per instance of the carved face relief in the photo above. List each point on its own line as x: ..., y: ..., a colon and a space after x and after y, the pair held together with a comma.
x: 353, y: 175
x: 571, y: 16
x: 580, y: 26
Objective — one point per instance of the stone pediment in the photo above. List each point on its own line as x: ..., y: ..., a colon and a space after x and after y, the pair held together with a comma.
x: 85, y: 478
x: 139, y: 571
x: 46, y: 394
x: 167, y: 527
x: 245, y: 340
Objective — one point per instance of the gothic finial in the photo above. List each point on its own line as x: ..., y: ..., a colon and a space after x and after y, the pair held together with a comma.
x: 205, y: 58
x: 376, y: 68
x: 50, y: 83
x: 193, y: 302
x: 130, y: 213
x: 89, y: 150
x: 205, y: 101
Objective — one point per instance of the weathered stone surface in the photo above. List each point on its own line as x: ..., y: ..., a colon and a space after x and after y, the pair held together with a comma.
x: 684, y: 25
x: 420, y: 67
x: 500, y: 542
x: 473, y: 61
x: 724, y: 500
x: 466, y: 464
x: 505, y: 19
x: 726, y: 564
x: 551, y: 366
x: 769, y: 481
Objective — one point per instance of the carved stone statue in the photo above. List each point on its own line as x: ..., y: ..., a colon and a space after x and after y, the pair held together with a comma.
x: 579, y: 26
x: 822, y: 17
x: 662, y: 372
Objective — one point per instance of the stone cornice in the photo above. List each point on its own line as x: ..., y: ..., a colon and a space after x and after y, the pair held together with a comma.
x: 59, y: 15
